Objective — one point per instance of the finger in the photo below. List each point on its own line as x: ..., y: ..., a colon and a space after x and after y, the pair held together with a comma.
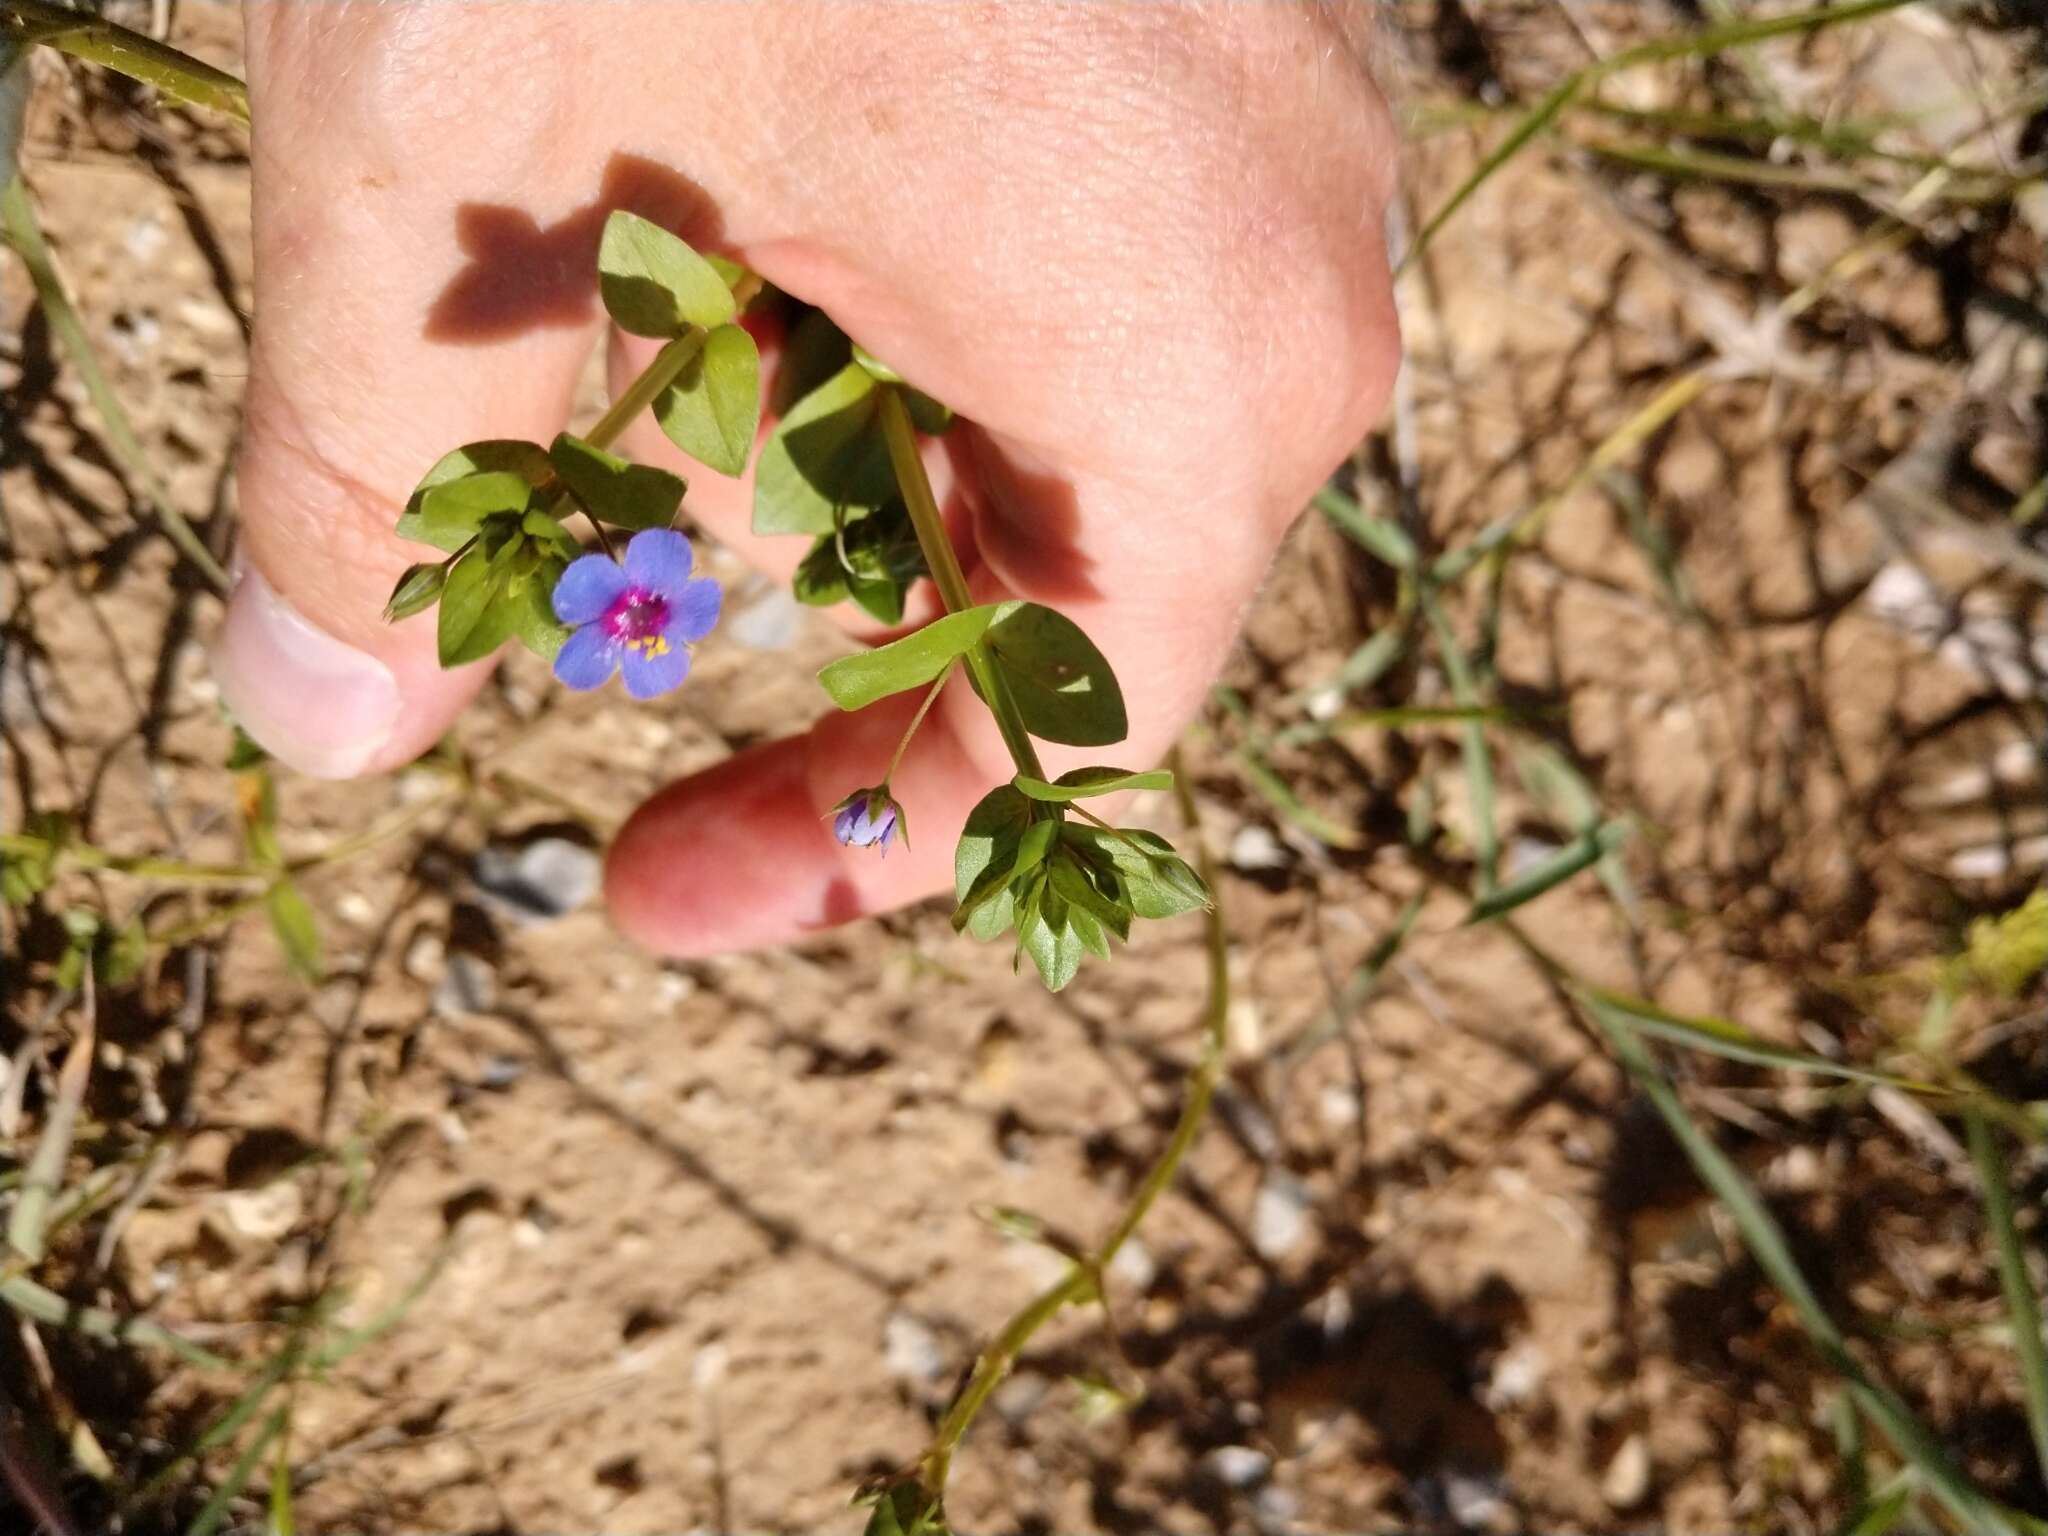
x: 392, y: 326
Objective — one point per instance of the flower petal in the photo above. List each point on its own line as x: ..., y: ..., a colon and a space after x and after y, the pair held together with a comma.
x: 693, y: 611
x: 589, y: 587
x: 649, y: 677
x: 587, y: 657
x: 659, y: 560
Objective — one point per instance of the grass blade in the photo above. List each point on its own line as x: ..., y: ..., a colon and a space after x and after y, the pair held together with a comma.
x: 2021, y: 1304
x: 1765, y: 1240
x: 134, y: 54
x: 22, y: 231
x: 1701, y: 44
x: 45, y: 1172
x: 1730, y: 1041
x: 1379, y: 537
x: 215, y: 1510
x: 1478, y: 759
x: 41, y: 1304
x: 1581, y: 853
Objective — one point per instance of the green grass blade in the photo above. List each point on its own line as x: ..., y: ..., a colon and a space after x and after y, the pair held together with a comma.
x: 1881, y: 1515
x: 21, y: 231
x: 134, y: 54
x: 1478, y: 758
x: 1765, y: 1240
x: 43, y: 1305
x: 215, y: 1510
x: 341, y: 1346
x: 2022, y: 1306
x: 1701, y: 44
x: 1583, y: 852
x: 282, y: 1522
x: 45, y: 1172
x: 1382, y: 538
x: 1731, y: 1042
x: 1539, y: 117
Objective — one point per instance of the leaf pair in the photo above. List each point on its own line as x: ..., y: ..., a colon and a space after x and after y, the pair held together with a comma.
x: 1063, y: 687
x: 1066, y: 887
x: 827, y: 464
x: 653, y: 284
x: 493, y: 507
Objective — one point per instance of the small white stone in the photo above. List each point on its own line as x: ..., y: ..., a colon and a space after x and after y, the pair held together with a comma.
x: 265, y: 1214
x: 1627, y: 1480
x: 1254, y: 847
x: 1238, y: 1465
x: 910, y: 1351
x: 1133, y: 1266
x: 1280, y: 1216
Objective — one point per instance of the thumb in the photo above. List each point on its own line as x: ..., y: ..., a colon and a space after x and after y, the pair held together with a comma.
x: 393, y: 324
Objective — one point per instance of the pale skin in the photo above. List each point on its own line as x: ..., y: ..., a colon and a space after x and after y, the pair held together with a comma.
x: 1136, y: 245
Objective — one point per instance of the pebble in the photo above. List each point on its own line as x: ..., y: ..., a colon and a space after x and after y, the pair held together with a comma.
x: 264, y: 1214
x: 1238, y: 1465
x: 1254, y: 847
x: 1627, y: 1480
x: 468, y: 985
x: 1477, y: 1503
x: 1280, y: 1216
x: 1133, y: 1266
x: 544, y: 879
x: 910, y: 1350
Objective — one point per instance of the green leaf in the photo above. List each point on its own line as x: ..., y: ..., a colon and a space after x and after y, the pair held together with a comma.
x: 815, y: 350
x: 826, y: 460
x: 857, y: 681
x: 872, y: 561
x: 478, y: 612
x: 541, y: 526
x: 1082, y: 783
x: 614, y: 490
x: 1157, y: 882
x: 298, y: 934
x: 1063, y: 687
x: 533, y: 613
x: 1083, y: 886
x: 713, y: 408
x: 1055, y: 950
x: 653, y: 284
x: 985, y: 860
x: 415, y: 592
x: 452, y: 528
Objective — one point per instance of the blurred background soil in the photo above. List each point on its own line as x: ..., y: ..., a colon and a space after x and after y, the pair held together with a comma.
x: 702, y: 1238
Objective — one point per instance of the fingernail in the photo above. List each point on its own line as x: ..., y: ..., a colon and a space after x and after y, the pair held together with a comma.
x: 323, y: 707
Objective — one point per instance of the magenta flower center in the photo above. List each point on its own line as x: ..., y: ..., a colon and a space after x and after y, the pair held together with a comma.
x: 637, y: 621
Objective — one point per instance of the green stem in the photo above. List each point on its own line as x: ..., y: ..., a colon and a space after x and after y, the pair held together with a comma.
x: 951, y: 581
x: 85, y: 856
x: 667, y: 366
x: 1085, y: 1277
x: 134, y: 54
x: 931, y: 697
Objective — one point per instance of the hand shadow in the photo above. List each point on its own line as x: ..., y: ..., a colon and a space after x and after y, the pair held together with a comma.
x: 521, y: 275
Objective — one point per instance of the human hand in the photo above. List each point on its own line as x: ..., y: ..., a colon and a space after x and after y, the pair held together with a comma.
x: 1136, y: 247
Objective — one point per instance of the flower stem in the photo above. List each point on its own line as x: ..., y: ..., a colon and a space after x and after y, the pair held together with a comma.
x: 951, y: 581
x: 134, y: 54
x: 1084, y: 1278
x: 930, y: 698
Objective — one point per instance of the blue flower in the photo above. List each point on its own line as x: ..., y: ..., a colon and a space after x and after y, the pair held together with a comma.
x: 868, y: 818
x: 639, y: 618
